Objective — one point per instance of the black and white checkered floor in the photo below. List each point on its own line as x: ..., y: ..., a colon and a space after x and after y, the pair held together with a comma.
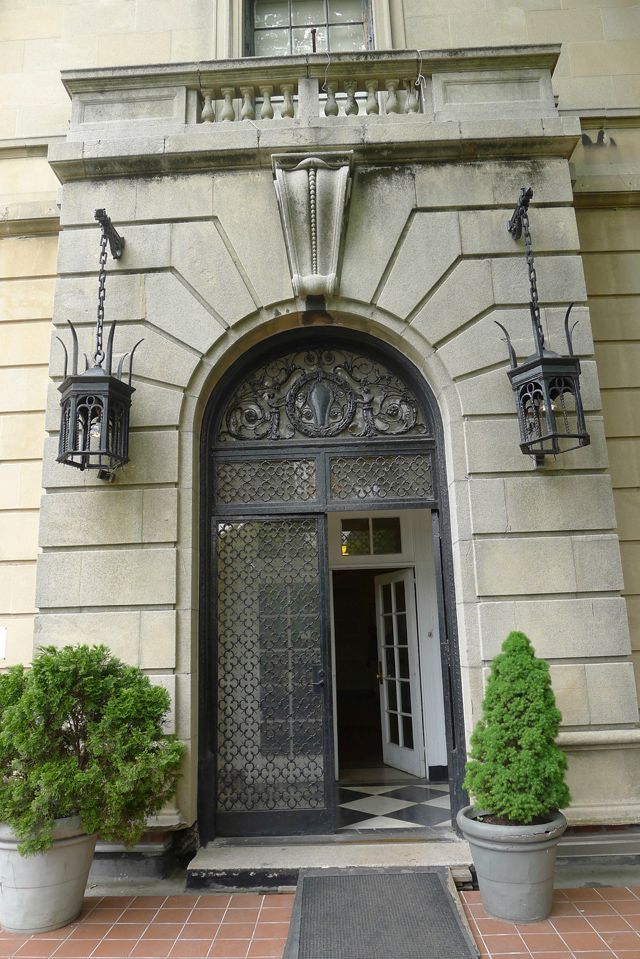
x: 413, y: 805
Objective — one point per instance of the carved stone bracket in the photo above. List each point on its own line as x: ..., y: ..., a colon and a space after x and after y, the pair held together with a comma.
x: 313, y: 193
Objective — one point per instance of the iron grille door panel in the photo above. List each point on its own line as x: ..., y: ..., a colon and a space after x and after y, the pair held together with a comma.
x: 275, y: 772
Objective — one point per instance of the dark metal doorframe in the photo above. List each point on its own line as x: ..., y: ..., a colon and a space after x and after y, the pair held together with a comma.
x: 207, y: 658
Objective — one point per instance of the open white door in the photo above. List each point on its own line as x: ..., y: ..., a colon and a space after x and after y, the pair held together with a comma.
x: 399, y: 673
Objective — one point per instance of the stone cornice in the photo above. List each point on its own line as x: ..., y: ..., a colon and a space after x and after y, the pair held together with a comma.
x: 215, y: 73
x: 200, y: 148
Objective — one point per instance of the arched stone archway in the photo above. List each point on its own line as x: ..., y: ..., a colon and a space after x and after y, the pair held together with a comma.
x: 305, y: 423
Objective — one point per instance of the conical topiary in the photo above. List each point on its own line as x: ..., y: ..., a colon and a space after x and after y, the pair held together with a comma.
x: 516, y: 772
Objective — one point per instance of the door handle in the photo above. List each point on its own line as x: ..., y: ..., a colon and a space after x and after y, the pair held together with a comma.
x: 380, y: 674
x: 317, y: 677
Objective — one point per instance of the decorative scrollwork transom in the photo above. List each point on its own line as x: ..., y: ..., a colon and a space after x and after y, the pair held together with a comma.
x: 319, y: 393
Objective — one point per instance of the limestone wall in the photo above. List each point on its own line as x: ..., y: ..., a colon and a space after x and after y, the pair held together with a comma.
x: 610, y: 240
x: 28, y: 248
x: 600, y: 62
x: 428, y: 265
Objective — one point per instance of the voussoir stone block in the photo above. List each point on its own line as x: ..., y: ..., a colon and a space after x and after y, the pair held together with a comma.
x: 485, y: 231
x: 200, y: 256
x: 148, y: 246
x: 381, y: 201
x: 174, y: 197
x: 429, y: 248
x: 466, y: 292
x: 269, y: 275
x: 76, y: 298
x: 172, y: 307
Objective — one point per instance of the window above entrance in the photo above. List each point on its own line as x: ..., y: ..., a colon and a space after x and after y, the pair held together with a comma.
x: 282, y: 27
x: 320, y: 393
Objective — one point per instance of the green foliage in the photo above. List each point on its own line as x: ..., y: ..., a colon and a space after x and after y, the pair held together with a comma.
x: 81, y: 734
x: 516, y: 771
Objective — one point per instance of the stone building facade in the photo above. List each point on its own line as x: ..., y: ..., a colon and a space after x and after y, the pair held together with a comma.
x: 417, y: 148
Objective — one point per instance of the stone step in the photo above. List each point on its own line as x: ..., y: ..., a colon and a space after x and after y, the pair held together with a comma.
x: 265, y: 865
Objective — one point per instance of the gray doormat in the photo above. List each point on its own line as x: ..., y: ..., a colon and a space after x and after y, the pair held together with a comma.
x: 377, y: 914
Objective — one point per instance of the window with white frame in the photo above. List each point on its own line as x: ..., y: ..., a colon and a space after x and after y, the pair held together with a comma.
x: 281, y: 27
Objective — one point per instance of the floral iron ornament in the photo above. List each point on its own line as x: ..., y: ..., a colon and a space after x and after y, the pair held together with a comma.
x: 94, y: 423
x: 546, y: 384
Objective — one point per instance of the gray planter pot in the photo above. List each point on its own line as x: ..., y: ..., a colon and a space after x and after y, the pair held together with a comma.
x: 44, y: 891
x: 514, y: 864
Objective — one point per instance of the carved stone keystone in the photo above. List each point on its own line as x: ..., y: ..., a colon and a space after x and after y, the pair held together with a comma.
x: 313, y: 192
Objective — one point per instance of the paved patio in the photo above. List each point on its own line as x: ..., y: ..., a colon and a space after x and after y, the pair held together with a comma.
x: 586, y: 923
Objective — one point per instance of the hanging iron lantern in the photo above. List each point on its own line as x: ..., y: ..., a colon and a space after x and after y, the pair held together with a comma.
x: 94, y: 423
x: 546, y: 384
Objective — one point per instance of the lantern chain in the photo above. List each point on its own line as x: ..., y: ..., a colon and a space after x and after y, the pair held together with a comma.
x: 98, y: 355
x: 517, y: 226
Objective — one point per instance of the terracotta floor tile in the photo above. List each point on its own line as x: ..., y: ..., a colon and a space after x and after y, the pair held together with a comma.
x: 245, y: 900
x: 271, y: 930
x: 613, y: 923
x: 190, y: 949
x: 229, y: 949
x: 627, y: 907
x: 595, y: 955
x: 61, y: 933
x: 583, y: 941
x: 235, y: 930
x: 173, y: 914
x: 564, y: 909
x: 213, y: 900
x: 134, y: 914
x: 37, y: 949
x: 498, y: 945
x: 117, y: 901
x: 209, y: 915
x: 279, y: 899
x: 161, y: 930
x: 583, y: 893
x: 106, y: 913
x: 542, y: 942
x: 624, y: 954
x: 617, y: 892
x: 596, y: 908
x: 113, y: 949
x: 471, y: 895
x: 266, y: 949
x: 90, y: 930
x: 275, y: 915
x: 126, y: 930
x: 76, y: 948
x: 148, y: 902
x: 564, y: 924
x: 634, y: 921
x: 495, y: 926
x: 187, y: 901
x: 619, y: 941
x: 8, y: 948
x: 566, y: 954
x: 203, y: 930
x: 241, y: 915
x: 152, y: 948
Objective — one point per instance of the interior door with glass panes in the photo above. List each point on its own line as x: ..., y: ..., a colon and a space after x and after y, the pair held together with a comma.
x: 399, y: 672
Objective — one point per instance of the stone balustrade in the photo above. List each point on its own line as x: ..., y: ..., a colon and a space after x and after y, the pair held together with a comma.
x: 497, y: 83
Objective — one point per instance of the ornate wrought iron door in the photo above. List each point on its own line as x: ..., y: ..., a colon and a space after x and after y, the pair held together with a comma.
x: 274, y: 772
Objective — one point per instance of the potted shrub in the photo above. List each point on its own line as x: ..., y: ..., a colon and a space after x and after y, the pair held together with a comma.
x: 82, y: 751
x: 516, y: 778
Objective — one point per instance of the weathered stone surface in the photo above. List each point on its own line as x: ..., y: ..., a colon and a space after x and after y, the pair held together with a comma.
x: 75, y: 299
x: 172, y: 307
x: 147, y: 247
x: 466, y: 292
x: 174, y: 197
x: 126, y: 578
x: 380, y: 205
x: 493, y: 446
x: 429, y: 248
x: 558, y: 628
x: 597, y: 563
x: 201, y: 257
x: 525, y: 565
x: 570, y: 688
x: 611, y: 693
x: 544, y: 501
x: 269, y: 275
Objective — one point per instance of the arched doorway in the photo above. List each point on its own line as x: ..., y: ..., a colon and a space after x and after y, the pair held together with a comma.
x: 319, y: 449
